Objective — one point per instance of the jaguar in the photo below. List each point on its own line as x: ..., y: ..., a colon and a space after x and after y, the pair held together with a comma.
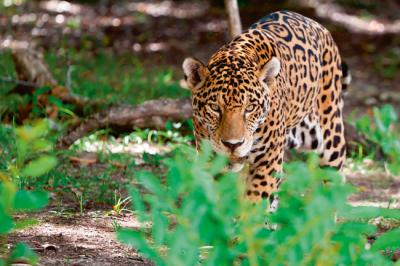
x: 278, y: 85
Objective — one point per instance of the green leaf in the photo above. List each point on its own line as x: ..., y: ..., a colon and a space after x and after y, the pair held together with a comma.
x: 6, y: 222
x: 41, y: 145
x: 138, y: 203
x: 168, y: 125
x: 367, y: 212
x: 27, y: 133
x: 136, y: 240
x: 40, y: 166
x: 160, y: 226
x: 23, y: 252
x: 218, y: 164
x: 7, y: 194
x: 192, y: 210
x: 66, y: 111
x: 388, y: 241
x: 30, y: 200
x: 150, y: 182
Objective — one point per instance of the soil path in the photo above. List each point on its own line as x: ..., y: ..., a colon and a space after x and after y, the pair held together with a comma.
x: 75, y: 239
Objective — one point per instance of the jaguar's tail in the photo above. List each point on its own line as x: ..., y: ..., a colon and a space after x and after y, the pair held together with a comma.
x: 346, y: 78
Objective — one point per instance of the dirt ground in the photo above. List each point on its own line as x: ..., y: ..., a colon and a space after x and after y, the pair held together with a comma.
x: 164, y: 32
x: 74, y: 239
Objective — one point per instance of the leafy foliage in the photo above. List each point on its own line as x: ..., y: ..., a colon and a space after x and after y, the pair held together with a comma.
x: 201, y: 217
x: 30, y: 159
x: 383, y: 131
x: 107, y: 78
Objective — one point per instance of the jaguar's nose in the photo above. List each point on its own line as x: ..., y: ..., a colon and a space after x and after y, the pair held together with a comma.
x: 232, y: 144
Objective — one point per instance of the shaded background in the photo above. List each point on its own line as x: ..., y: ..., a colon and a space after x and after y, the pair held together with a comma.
x: 112, y: 44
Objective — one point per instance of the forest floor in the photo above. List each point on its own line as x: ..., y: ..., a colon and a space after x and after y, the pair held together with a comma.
x: 163, y: 33
x: 65, y: 236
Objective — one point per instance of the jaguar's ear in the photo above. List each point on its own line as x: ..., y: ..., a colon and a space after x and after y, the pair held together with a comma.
x: 270, y: 69
x: 195, y: 73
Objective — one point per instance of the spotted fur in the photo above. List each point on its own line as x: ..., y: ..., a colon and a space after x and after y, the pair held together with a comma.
x: 277, y: 85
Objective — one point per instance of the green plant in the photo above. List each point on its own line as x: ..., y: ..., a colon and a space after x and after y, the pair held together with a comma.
x: 30, y: 158
x: 115, y: 225
x: 121, y: 204
x: 202, y: 217
x: 384, y: 132
x: 174, y: 133
x: 388, y: 63
x: 112, y: 78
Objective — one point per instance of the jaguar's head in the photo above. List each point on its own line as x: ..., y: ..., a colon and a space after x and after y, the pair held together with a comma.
x: 230, y: 99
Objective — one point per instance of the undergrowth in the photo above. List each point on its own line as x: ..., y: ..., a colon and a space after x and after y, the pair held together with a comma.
x: 383, y: 130
x: 201, y: 217
x: 31, y: 157
x: 107, y: 78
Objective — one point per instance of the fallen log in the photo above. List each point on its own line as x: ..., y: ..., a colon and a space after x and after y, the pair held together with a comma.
x: 150, y: 114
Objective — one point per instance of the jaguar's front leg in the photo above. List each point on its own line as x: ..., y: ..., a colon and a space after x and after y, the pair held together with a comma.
x: 265, y: 164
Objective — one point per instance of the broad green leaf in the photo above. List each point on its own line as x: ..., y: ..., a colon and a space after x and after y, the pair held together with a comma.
x: 150, y: 182
x: 388, y: 241
x: 137, y: 240
x: 159, y: 227
x: 41, y: 145
x: 6, y: 222
x: 208, y: 212
x: 7, y: 194
x: 39, y: 166
x: 138, y: 203
x: 218, y: 164
x: 27, y: 133
x: 30, y: 200
x: 367, y: 212
x: 23, y: 252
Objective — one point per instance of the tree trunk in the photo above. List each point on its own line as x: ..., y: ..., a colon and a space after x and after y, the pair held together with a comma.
x: 234, y: 24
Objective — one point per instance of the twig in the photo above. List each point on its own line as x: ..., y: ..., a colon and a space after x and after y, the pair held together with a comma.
x: 19, y: 82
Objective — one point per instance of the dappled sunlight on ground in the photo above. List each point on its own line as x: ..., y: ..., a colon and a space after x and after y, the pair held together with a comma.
x: 131, y: 148
x: 75, y: 239
x: 375, y: 186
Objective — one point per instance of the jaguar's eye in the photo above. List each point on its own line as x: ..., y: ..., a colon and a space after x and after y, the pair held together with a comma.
x: 214, y: 107
x: 250, y: 108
